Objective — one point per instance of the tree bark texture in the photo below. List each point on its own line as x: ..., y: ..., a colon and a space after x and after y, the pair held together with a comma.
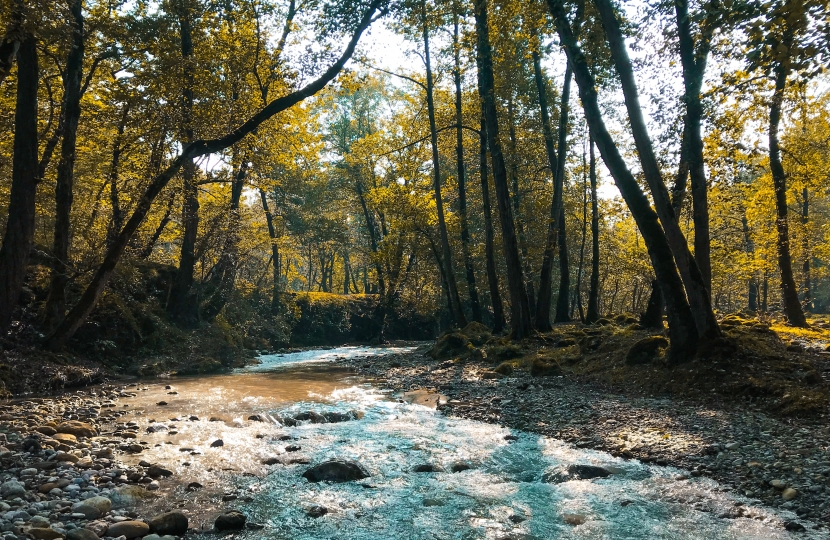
x: 593, y: 293
x: 499, y: 322
x: 20, y: 224
x: 520, y: 322
x: 56, y: 301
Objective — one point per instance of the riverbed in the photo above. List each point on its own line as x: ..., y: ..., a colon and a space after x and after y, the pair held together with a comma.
x: 509, y: 484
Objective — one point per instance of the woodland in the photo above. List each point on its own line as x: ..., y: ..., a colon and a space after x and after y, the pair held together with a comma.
x: 186, y: 167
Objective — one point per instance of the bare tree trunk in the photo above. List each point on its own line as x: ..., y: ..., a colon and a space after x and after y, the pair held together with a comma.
x: 789, y: 291
x: 593, y: 293
x: 446, y: 253
x: 752, y: 303
x: 693, y: 281
x: 56, y: 302
x: 183, y: 306
x: 20, y: 226
x: 516, y: 199
x: 275, y: 250
x: 219, y: 289
x: 520, y: 322
x: 805, y: 244
x: 694, y: 66
x: 682, y: 327
x: 562, y: 312
x: 462, y: 180
x: 578, y: 288
x: 117, y: 216
x: 499, y: 323
x: 546, y: 273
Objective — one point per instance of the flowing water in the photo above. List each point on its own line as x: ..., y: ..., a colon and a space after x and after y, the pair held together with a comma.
x: 501, y: 496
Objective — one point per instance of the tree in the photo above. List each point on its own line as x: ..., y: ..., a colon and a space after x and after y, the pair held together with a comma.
x: 520, y: 322
x: 20, y: 226
x: 197, y: 148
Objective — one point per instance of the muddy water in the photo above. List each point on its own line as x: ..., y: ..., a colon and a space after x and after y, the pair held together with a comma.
x: 501, y: 495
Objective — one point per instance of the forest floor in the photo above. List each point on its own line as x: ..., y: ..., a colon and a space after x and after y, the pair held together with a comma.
x: 753, y: 416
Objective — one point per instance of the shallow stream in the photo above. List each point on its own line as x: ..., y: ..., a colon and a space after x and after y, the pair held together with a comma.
x: 502, y: 495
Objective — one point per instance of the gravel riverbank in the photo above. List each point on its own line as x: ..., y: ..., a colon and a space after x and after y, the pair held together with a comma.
x: 60, y: 476
x: 782, y: 462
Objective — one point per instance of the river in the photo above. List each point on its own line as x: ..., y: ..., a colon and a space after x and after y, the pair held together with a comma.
x: 501, y: 495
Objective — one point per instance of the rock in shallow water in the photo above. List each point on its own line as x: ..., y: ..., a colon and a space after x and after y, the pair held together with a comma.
x: 575, y: 472
x: 336, y: 470
x: 317, y: 511
x: 174, y: 523
x: 230, y: 521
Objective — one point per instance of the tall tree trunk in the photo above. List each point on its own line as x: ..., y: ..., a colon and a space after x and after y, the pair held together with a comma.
x: 805, y: 244
x: 593, y: 294
x: 752, y: 302
x: 580, y: 265
x: 789, y: 291
x: 77, y: 316
x: 20, y: 224
x: 56, y: 301
x: 499, y: 323
x: 764, y: 293
x: 462, y: 180
x: 520, y: 321
x: 117, y: 216
x: 446, y: 253
x: 516, y: 199
x: 693, y: 281
x: 694, y: 66
x: 546, y: 273
x: 562, y: 312
x: 220, y: 287
x: 683, y: 332
x: 275, y: 250
x: 184, y: 303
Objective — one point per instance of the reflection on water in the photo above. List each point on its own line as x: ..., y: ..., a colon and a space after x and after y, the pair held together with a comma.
x: 500, y: 496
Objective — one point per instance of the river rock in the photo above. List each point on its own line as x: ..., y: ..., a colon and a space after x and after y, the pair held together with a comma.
x: 310, y: 416
x: 575, y: 472
x: 89, y: 512
x: 426, y: 468
x: 82, y: 534
x: 789, y: 494
x: 460, y: 466
x: 336, y: 470
x: 217, y: 443
x: 130, y: 529
x: 102, y: 504
x: 45, y: 534
x: 76, y: 428
x: 230, y: 521
x: 66, y: 438
x: 12, y: 489
x: 46, y: 430
x: 174, y: 523
x: 573, y: 519
x: 778, y: 484
x: 156, y: 471
x: 63, y: 456
x: 317, y: 511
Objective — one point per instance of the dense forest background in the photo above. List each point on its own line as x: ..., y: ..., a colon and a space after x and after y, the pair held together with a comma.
x: 245, y: 169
